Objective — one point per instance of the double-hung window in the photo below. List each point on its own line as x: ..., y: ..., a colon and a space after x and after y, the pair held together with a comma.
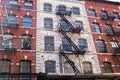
x: 47, y: 7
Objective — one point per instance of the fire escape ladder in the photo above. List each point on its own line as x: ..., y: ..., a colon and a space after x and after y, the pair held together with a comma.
x: 71, y: 63
x: 70, y: 41
x: 67, y: 22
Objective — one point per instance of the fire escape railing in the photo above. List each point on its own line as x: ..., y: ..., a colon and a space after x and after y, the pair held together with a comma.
x: 8, y: 46
x: 72, y: 29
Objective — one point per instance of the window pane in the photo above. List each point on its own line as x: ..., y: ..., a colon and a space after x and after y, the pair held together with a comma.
x: 110, y: 29
x: 47, y: 7
x: 66, y: 46
x: 27, y: 21
x: 114, y: 44
x: 116, y: 16
x: 104, y: 15
x: 11, y: 19
x: 107, y: 67
x: 87, y: 67
x: 28, y: 5
x: 64, y: 26
x: 11, y: 2
x: 82, y: 44
x: 92, y: 13
x: 7, y: 41
x: 50, y: 67
x: 76, y: 11
x: 4, y: 66
x: 26, y: 43
x: 78, y: 25
x: 102, y: 47
x: 68, y: 68
x: 25, y: 67
x: 96, y: 28
x: 49, y: 44
x: 62, y: 9
x: 48, y: 23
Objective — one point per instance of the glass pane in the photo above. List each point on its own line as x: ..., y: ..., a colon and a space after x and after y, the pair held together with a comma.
x: 28, y: 5
x: 26, y: 42
x: 27, y: 21
x: 48, y: 23
x: 49, y: 44
x: 92, y: 13
x: 96, y: 28
x: 50, y: 67
x: 76, y: 11
x: 11, y: 19
x: 107, y: 67
x: 47, y: 7
x: 4, y: 66
x: 13, y: 2
x: 87, y: 67
x: 82, y: 44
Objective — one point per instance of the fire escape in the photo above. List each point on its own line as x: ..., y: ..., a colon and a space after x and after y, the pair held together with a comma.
x: 64, y: 28
x: 9, y: 22
x: 8, y: 47
x: 113, y: 33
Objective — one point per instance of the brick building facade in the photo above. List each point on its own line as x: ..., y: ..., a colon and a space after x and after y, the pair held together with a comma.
x: 104, y: 19
x: 17, y: 36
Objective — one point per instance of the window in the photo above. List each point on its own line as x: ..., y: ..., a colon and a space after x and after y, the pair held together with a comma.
x: 64, y: 26
x: 75, y: 11
x: 11, y: 19
x: 13, y: 2
x: 7, y: 41
x: 26, y: 43
x: 62, y: 9
x: 109, y: 29
x: 66, y: 46
x: 104, y: 15
x: 50, y: 66
x: 114, y: 44
x: 25, y: 67
x: 96, y: 28
x: 68, y: 68
x: 82, y: 44
x: 87, y: 67
x: 92, y: 13
x: 47, y: 7
x: 116, y: 16
x: 119, y: 65
x: 107, y: 67
x: 48, y: 23
x: 79, y: 25
x: 28, y: 5
x: 49, y: 44
x: 102, y: 46
x: 27, y: 21
x: 4, y: 66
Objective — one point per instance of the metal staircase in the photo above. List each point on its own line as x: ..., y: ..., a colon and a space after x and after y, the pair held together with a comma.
x: 72, y: 29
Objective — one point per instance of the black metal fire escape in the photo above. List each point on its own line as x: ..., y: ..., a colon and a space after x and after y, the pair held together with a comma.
x: 72, y: 29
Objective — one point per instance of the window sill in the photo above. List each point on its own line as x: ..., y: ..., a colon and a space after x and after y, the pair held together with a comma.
x: 26, y: 50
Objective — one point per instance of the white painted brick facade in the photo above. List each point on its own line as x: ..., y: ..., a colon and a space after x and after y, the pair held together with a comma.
x: 42, y: 55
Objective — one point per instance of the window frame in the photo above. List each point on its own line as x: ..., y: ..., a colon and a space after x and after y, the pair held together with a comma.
x: 102, y: 47
x: 27, y: 21
x: 48, y: 68
x: 92, y: 13
x: 104, y: 15
x: 24, y: 69
x: 5, y: 66
x: 66, y: 45
x: 76, y: 10
x: 29, y: 43
x: 49, y: 45
x: 116, y: 16
x: 87, y: 71
x: 49, y: 23
x: 82, y: 44
x: 107, y: 67
x: 96, y: 28
x: 47, y: 7
x: 28, y: 7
